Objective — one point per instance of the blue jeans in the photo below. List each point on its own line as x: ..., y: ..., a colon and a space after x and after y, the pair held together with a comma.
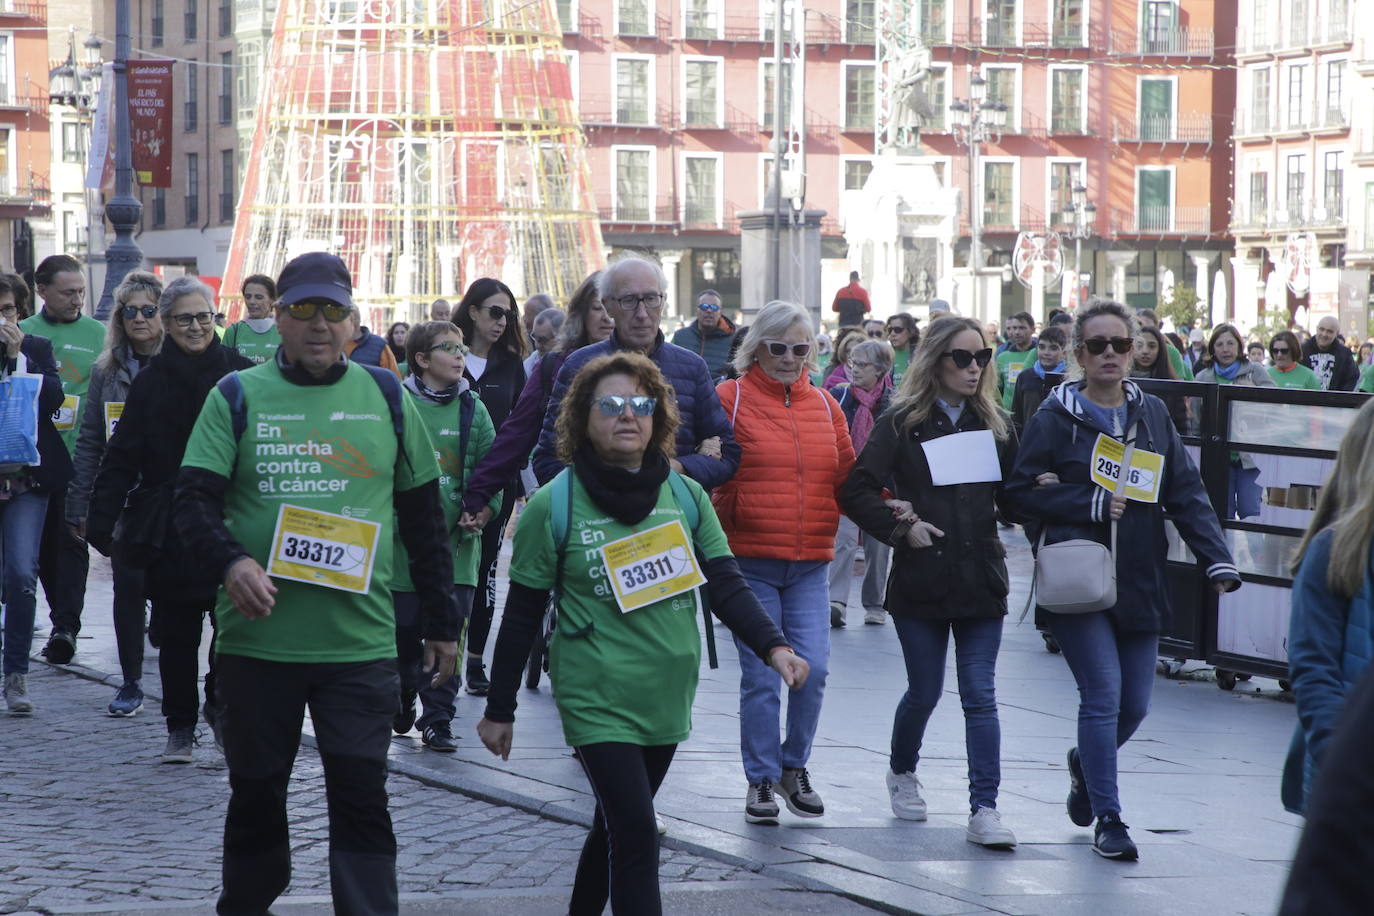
x: 21, y: 531
x: 796, y: 596
x: 924, y: 644
x: 1115, y: 674
x: 1242, y: 492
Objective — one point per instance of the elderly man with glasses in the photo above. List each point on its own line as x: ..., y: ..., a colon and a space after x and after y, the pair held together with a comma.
x: 710, y: 336
x: 632, y: 290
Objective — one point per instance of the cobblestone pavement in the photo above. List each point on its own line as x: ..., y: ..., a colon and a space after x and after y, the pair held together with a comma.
x: 92, y: 817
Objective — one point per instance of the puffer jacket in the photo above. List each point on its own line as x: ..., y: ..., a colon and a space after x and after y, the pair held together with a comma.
x: 960, y: 575
x: 1249, y: 374
x: 783, y: 503
x: 108, y: 384
x: 714, y: 346
x: 1060, y: 438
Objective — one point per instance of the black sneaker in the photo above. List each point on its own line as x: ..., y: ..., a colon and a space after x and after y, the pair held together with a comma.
x: 837, y: 615
x: 1111, y: 841
x: 478, y: 685
x: 760, y: 807
x: 438, y: 737
x: 60, y: 648
x: 802, y: 800
x: 404, y: 720
x: 1080, y: 806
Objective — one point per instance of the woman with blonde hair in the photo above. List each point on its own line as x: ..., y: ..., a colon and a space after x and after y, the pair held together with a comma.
x: 949, y: 574
x: 1331, y: 630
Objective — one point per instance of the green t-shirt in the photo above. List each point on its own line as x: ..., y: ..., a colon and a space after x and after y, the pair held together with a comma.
x: 1366, y: 381
x: 327, y: 448
x: 1009, y: 366
x: 260, y: 348
x: 441, y: 422
x: 634, y: 676
x: 1298, y: 377
x: 1181, y: 367
x: 900, y: 360
x: 75, y: 344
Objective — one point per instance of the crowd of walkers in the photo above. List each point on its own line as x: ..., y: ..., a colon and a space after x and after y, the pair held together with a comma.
x: 335, y: 502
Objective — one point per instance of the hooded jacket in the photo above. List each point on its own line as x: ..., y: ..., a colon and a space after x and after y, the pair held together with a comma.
x: 783, y: 502
x: 713, y: 346
x: 109, y: 383
x: 1335, y: 366
x: 1060, y: 437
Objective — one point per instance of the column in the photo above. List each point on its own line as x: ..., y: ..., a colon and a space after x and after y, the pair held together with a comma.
x: 670, y: 261
x: 1202, y: 263
x: 1119, y: 261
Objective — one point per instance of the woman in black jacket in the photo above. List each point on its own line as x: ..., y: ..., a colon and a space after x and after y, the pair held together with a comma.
x: 143, y: 456
x: 495, y: 369
x: 949, y: 573
x: 24, y: 500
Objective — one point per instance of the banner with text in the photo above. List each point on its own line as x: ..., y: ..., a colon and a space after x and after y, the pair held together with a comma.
x: 150, y: 121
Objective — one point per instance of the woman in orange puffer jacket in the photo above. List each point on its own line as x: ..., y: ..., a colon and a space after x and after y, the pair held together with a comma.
x: 780, y: 512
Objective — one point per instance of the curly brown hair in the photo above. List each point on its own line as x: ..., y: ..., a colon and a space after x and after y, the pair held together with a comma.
x: 576, y: 409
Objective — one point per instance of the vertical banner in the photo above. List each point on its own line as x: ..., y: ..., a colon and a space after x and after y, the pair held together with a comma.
x: 150, y: 121
x: 100, y: 159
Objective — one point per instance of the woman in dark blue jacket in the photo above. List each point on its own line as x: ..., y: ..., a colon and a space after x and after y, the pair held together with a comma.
x: 1112, y: 653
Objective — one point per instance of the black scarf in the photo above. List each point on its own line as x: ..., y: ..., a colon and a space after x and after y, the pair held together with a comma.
x: 298, y: 376
x: 437, y: 395
x: 626, y: 496
x: 193, y: 375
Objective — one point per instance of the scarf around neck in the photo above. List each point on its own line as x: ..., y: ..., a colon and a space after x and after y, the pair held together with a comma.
x: 1060, y: 369
x: 626, y: 496
x: 1227, y: 372
x: 865, y: 416
x: 437, y: 395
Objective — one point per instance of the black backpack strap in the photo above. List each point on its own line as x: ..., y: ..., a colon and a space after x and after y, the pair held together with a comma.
x: 546, y: 377
x: 231, y: 389
x: 391, y: 390
x: 467, y: 409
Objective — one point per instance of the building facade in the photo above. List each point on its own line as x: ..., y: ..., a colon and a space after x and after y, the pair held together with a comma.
x: 26, y: 229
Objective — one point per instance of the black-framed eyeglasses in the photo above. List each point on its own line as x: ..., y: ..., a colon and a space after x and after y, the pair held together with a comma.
x: 652, y: 302
x: 186, y: 319
x: 451, y: 347
x: 1098, y: 345
x: 12, y: 309
x: 613, y: 405
x: 130, y: 311
x: 779, y: 348
x: 858, y: 365
x: 334, y: 312
x: 963, y: 358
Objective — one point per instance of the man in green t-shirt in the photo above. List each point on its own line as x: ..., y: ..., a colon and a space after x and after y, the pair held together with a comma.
x: 256, y: 335
x: 63, y: 560
x: 292, y: 485
x: 1018, y: 353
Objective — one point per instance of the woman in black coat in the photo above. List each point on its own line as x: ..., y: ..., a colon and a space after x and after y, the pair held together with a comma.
x: 495, y: 369
x: 141, y: 461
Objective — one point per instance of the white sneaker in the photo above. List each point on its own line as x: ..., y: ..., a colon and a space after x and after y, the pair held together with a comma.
x: 875, y: 618
x: 904, y: 790
x: 985, y: 828
x: 660, y: 825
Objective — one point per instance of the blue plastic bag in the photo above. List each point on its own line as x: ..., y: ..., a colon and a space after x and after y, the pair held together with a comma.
x: 19, y: 417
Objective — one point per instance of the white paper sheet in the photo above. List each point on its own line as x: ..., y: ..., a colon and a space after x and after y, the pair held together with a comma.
x: 963, y: 458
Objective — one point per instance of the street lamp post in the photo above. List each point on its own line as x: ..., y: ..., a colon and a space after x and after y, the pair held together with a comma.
x: 1084, y: 215
x: 123, y: 210
x: 977, y: 121
x: 77, y: 86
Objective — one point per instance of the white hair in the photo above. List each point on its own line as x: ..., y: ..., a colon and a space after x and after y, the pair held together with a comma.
x: 772, y: 322
x: 613, y: 270
x: 184, y: 286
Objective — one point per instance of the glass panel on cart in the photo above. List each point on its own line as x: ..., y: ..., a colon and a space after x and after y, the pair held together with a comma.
x: 1253, y: 621
x: 1287, y: 487
x: 1178, y: 549
x: 1262, y: 553
x: 1289, y: 425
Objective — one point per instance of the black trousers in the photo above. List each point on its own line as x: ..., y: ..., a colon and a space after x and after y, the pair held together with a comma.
x: 130, y: 615
x: 263, y: 705
x: 437, y: 704
x: 620, y: 857
x: 63, y: 562
x: 484, y: 601
x: 176, y: 631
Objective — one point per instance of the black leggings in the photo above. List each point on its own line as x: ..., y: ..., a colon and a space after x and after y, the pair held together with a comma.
x: 178, y: 627
x: 620, y: 857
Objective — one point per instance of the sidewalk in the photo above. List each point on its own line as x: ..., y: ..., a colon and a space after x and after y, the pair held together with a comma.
x: 1199, y: 786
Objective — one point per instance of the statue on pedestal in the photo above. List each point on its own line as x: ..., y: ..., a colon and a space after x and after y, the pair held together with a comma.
x: 909, y: 102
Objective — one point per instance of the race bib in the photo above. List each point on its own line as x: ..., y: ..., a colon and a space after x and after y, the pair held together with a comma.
x: 1143, y: 477
x: 113, y: 411
x: 321, y: 548
x: 651, y: 565
x: 1012, y: 373
x: 64, y: 417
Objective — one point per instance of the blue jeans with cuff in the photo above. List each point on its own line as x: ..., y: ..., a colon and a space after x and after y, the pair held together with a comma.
x: 21, y: 530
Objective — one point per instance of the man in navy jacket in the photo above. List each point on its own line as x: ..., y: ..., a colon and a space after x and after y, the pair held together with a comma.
x: 632, y: 290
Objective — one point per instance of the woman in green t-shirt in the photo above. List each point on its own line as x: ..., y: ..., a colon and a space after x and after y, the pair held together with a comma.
x: 1288, y: 370
x: 624, y: 681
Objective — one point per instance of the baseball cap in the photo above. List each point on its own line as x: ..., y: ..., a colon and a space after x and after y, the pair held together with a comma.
x: 315, y: 275
x: 938, y: 305
x: 1196, y: 335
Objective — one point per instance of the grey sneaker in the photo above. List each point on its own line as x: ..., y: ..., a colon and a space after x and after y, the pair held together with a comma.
x: 802, y: 800
x: 875, y: 617
x: 127, y: 701
x: 904, y: 790
x: 180, y: 742
x: 985, y: 828
x: 17, y: 694
x: 760, y: 807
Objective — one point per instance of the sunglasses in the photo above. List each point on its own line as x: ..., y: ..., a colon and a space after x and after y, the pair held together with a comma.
x: 896, y: 329
x: 129, y: 311
x: 707, y: 307
x: 962, y: 358
x: 304, y: 311
x: 1279, y: 351
x: 452, y: 348
x: 877, y: 335
x: 613, y: 405
x: 779, y: 348
x: 1098, y: 345
x: 497, y: 313
x: 185, y: 320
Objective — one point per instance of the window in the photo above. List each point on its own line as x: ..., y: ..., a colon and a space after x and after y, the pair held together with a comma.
x: 1154, y: 200
x: 73, y: 233
x: 226, y: 19
x: 191, y: 113
x: 1063, y: 177
x: 1066, y: 112
x: 1336, y: 16
x: 226, y: 87
x: 856, y: 172
x: 997, y: 194
x: 159, y: 207
x: 189, y: 19
x: 859, y: 110
x: 701, y: 207
x: 766, y: 106
x: 1259, y: 27
x: 1160, y: 33
x: 1296, y: 185
x: 1000, y: 26
x: 6, y: 71
x: 632, y: 91
x: 159, y: 27
x: 1259, y: 196
x: 228, y: 185
x: 934, y: 22
x: 1067, y: 27
x: 1001, y: 89
x: 632, y: 202
x: 1156, y: 109
x: 1333, y: 184
x: 567, y: 16
x: 935, y: 94
x: 768, y: 18
x: 1298, y: 14
x: 860, y: 16
x: 633, y: 17
x: 1335, y: 92
x: 700, y: 19
x: 247, y: 74
x: 701, y: 93
x: 74, y: 137
x: 1297, y: 78
x: 1259, y: 100
x: 192, y: 188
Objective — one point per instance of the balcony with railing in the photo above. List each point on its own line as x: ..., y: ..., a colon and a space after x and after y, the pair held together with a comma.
x: 602, y: 112
x: 1307, y: 213
x: 639, y: 212
x: 1193, y: 127
x: 1183, y: 41
x: 702, y: 216
x: 1161, y: 220
x: 23, y: 9
x: 1001, y: 218
x: 1331, y: 119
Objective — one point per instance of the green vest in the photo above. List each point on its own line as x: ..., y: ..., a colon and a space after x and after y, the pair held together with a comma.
x: 75, y: 344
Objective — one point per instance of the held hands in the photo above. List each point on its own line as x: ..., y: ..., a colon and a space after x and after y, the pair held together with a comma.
x: 444, y: 657
x: 902, y: 510
x: 1047, y: 479
x: 922, y: 534
x: 497, y: 736
x: 710, y: 447
x: 250, y: 588
x: 1118, y: 506
x: 792, y: 667
x: 474, y: 523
